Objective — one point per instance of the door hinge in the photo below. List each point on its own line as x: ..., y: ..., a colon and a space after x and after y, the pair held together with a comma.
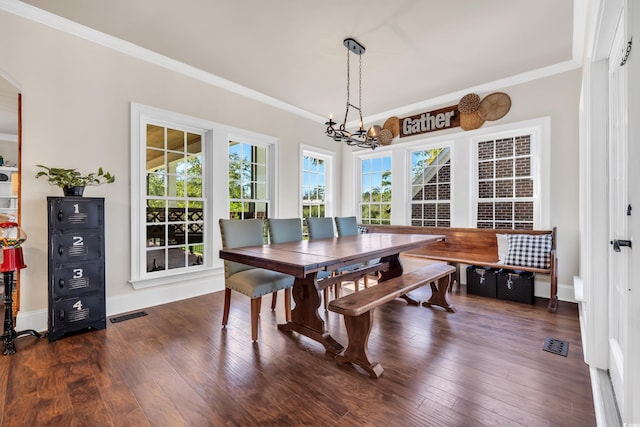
x: 627, y: 53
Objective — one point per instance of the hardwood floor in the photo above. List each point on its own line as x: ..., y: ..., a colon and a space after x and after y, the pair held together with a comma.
x: 481, y: 366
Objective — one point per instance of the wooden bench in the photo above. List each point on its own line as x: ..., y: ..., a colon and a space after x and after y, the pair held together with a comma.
x: 475, y: 246
x: 357, y: 309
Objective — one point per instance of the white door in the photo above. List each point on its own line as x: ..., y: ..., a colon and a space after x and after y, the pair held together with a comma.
x: 619, y: 216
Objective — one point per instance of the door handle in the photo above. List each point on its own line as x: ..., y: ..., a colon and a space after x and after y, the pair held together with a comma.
x: 618, y: 243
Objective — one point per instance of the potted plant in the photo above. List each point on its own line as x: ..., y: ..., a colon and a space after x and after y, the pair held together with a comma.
x: 72, y: 181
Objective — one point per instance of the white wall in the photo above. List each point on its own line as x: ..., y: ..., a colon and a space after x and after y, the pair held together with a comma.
x: 76, y: 97
x: 556, y: 97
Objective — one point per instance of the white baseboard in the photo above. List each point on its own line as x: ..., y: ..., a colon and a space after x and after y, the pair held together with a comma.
x: 36, y: 320
x: 148, y: 297
x: 604, y: 400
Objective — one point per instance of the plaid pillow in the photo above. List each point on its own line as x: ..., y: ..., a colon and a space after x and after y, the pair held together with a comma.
x: 529, y: 250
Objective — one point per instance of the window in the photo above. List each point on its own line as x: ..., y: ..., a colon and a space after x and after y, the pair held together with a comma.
x: 431, y: 187
x: 174, y: 198
x: 375, y: 190
x: 505, y: 190
x: 179, y: 188
x: 248, y: 195
x: 316, y: 183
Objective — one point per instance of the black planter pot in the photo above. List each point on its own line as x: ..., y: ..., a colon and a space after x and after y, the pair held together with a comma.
x: 73, y: 191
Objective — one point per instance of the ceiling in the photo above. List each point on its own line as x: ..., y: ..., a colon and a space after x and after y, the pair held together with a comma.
x: 417, y: 51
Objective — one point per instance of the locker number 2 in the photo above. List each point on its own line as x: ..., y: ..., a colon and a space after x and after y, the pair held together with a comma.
x: 78, y: 241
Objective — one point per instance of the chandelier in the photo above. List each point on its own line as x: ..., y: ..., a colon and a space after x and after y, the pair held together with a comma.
x: 360, y: 138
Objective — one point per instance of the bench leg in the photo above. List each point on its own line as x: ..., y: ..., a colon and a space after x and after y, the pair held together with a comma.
x: 456, y: 276
x: 439, y: 294
x: 553, y: 297
x: 358, y: 329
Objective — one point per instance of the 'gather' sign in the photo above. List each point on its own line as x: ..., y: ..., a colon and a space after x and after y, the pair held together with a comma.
x: 430, y: 121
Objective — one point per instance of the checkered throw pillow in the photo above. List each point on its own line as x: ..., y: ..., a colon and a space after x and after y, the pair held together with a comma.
x: 529, y: 250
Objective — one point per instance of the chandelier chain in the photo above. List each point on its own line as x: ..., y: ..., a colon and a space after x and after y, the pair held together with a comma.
x: 361, y: 137
x: 360, y: 88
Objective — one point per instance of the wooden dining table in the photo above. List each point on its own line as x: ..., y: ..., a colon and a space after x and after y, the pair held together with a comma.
x: 306, y: 258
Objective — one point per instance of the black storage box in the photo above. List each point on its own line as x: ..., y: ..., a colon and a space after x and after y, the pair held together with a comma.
x: 481, y: 281
x: 516, y: 286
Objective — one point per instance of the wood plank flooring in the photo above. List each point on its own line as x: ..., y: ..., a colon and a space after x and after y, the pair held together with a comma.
x: 481, y: 366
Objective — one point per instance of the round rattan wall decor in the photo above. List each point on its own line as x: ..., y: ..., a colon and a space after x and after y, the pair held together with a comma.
x: 470, y: 121
x: 393, y: 124
x: 494, y: 106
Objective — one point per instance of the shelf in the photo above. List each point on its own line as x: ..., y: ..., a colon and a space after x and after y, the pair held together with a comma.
x: 8, y: 169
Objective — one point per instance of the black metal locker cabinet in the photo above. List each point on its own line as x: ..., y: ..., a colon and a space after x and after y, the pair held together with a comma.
x: 76, y: 265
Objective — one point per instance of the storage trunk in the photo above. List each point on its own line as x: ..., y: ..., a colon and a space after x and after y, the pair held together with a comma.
x: 516, y: 286
x: 481, y: 281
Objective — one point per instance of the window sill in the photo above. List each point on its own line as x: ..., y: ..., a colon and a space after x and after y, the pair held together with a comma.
x: 172, y: 279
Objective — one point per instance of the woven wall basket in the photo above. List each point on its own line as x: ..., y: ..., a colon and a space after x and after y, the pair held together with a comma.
x: 393, y: 124
x: 494, y: 106
x: 385, y: 137
x: 470, y: 121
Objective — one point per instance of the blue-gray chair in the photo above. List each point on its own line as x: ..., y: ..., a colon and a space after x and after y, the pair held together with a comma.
x: 282, y: 230
x: 322, y: 228
x: 348, y: 226
x: 250, y: 281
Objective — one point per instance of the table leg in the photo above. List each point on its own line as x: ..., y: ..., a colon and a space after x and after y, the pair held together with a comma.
x: 439, y: 294
x: 305, y: 318
x: 395, y: 267
x: 395, y: 270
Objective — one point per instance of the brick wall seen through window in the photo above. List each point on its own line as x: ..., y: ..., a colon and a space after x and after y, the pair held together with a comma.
x: 431, y: 187
x: 505, y: 184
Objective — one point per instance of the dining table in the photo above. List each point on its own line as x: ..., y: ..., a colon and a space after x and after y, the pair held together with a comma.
x: 304, y: 259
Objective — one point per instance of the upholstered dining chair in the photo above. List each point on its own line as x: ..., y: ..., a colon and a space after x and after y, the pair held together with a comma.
x: 348, y: 226
x: 282, y: 230
x: 250, y: 281
x: 322, y: 228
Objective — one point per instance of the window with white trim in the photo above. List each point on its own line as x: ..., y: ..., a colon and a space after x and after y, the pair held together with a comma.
x: 178, y: 188
x: 431, y: 187
x: 248, y: 186
x: 174, y: 198
x: 315, y: 181
x: 505, y: 183
x: 375, y: 190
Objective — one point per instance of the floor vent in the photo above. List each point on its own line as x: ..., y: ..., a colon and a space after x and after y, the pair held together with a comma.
x: 127, y: 316
x: 556, y: 346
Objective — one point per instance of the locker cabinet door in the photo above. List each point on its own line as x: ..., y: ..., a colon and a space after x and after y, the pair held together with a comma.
x: 77, y: 311
x: 77, y: 278
x: 75, y: 247
x: 77, y: 213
